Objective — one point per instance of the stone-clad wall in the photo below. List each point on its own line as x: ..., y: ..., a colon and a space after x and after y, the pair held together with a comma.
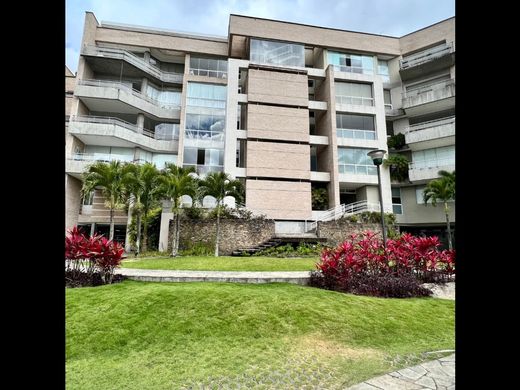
x: 234, y: 233
x: 337, y: 231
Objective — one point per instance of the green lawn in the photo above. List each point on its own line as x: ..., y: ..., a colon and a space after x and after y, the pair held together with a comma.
x: 138, y: 335
x: 224, y: 263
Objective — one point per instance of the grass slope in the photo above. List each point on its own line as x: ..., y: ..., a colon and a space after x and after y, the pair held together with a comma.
x: 225, y: 263
x: 136, y: 335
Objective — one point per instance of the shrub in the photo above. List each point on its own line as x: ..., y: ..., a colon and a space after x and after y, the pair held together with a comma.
x: 398, y: 167
x: 396, y: 141
x: 288, y: 250
x: 84, y: 257
x: 361, y: 265
x: 198, y: 249
x: 194, y: 212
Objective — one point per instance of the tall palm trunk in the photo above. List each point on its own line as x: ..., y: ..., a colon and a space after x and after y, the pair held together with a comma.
x: 138, y: 240
x: 178, y: 231
x: 446, y: 210
x: 145, y: 230
x: 218, y: 229
x: 111, y: 223
x: 174, y: 234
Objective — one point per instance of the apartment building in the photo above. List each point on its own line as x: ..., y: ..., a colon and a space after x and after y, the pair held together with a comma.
x: 286, y: 108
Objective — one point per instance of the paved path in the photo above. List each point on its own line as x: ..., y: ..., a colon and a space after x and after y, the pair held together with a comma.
x: 437, y: 375
x: 157, y: 275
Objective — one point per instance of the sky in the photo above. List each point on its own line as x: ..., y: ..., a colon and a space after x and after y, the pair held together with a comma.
x: 385, y: 17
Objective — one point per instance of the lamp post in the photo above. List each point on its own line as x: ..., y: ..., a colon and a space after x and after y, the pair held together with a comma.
x: 377, y: 159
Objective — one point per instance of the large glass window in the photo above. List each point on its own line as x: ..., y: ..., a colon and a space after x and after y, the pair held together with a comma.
x: 277, y: 53
x: 382, y: 70
x: 355, y: 126
x: 206, y: 95
x: 160, y: 159
x: 108, y: 153
x: 208, y: 67
x: 167, y: 131
x: 204, y: 160
x: 432, y: 158
x: 355, y: 161
x: 199, y: 126
x: 388, y: 98
x: 353, y: 63
x: 166, y: 98
x: 397, y: 207
x: 354, y: 93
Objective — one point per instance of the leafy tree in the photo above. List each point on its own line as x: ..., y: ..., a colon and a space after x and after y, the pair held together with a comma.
x: 111, y: 178
x: 320, y: 198
x: 219, y: 185
x: 174, y: 182
x: 443, y: 190
x: 398, y: 167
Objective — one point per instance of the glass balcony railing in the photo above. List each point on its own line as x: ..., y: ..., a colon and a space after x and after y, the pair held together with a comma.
x: 356, y: 100
x: 426, y: 56
x: 356, y: 134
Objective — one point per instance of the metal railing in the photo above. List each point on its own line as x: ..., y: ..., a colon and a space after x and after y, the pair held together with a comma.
x: 352, y: 69
x: 356, y: 134
x: 426, y: 55
x: 107, y: 157
x: 345, y: 210
x: 360, y: 101
x: 428, y: 88
x: 114, y: 53
x: 107, y: 120
x: 427, y: 164
x: 129, y: 89
x: 221, y: 74
x: 430, y: 124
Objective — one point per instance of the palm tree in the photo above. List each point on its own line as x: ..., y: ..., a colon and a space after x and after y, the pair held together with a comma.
x: 442, y: 189
x: 219, y: 185
x: 143, y: 186
x: 110, y: 178
x: 174, y: 183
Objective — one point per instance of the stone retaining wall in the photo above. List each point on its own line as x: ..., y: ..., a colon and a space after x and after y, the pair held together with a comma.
x: 337, y: 231
x: 234, y: 233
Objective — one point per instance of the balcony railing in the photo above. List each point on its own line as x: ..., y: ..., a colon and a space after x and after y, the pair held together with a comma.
x: 352, y: 69
x: 430, y: 124
x: 427, y: 164
x: 106, y: 120
x: 106, y: 157
x: 203, y: 169
x: 360, y: 101
x: 428, y: 93
x: 428, y: 88
x: 356, y: 134
x: 430, y: 130
x: 114, y: 53
x: 129, y: 89
x: 210, y: 73
x: 425, y: 56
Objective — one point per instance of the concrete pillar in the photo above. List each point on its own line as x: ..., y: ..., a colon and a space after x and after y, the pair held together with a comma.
x: 92, y: 229
x: 147, y: 56
x: 166, y: 217
x: 128, y: 246
x: 144, y: 85
x: 140, y: 123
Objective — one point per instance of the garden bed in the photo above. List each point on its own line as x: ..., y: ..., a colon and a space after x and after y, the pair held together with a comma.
x: 74, y: 279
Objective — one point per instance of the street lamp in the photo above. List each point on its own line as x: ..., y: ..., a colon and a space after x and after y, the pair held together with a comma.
x: 377, y: 159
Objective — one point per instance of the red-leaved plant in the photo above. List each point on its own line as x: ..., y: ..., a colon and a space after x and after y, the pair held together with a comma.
x: 406, y: 256
x: 88, y: 254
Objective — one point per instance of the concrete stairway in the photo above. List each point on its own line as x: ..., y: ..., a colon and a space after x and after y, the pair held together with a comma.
x: 272, y: 242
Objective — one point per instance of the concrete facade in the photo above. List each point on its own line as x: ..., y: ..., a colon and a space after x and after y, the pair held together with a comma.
x: 294, y: 101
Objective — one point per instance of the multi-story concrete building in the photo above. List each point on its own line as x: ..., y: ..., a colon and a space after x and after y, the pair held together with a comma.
x: 285, y: 107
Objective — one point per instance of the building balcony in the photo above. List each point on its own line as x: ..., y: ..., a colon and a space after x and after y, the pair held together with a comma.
x: 430, y: 98
x: 393, y: 112
x: 428, y: 170
x: 108, y: 131
x: 320, y: 176
x: 79, y: 162
x: 109, y: 96
x: 432, y: 134
x: 427, y: 61
x: 132, y: 59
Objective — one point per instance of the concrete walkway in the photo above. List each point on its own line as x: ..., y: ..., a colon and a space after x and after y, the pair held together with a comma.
x: 437, y: 375
x: 157, y: 275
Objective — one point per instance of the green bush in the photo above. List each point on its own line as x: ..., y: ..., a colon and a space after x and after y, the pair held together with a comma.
x: 198, y: 249
x: 396, y: 141
x: 194, y: 212
x: 288, y: 250
x: 398, y: 167
x: 320, y: 198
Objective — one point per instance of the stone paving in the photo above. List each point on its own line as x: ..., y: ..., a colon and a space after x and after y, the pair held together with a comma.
x: 437, y: 375
x: 156, y: 275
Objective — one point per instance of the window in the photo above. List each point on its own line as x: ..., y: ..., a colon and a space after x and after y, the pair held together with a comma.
x: 109, y: 153
x: 388, y: 98
x: 277, y: 53
x: 314, y: 159
x: 433, y: 158
x: 87, y: 198
x: 167, y: 131
x: 168, y: 97
x: 382, y: 70
x: 204, y: 160
x: 355, y: 161
x: 241, y: 153
x: 210, y: 127
x: 160, y: 160
x: 426, y: 86
x: 354, y: 93
x: 352, y: 63
x: 208, y: 67
x: 355, y: 126
x: 397, y: 207
x: 206, y: 95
